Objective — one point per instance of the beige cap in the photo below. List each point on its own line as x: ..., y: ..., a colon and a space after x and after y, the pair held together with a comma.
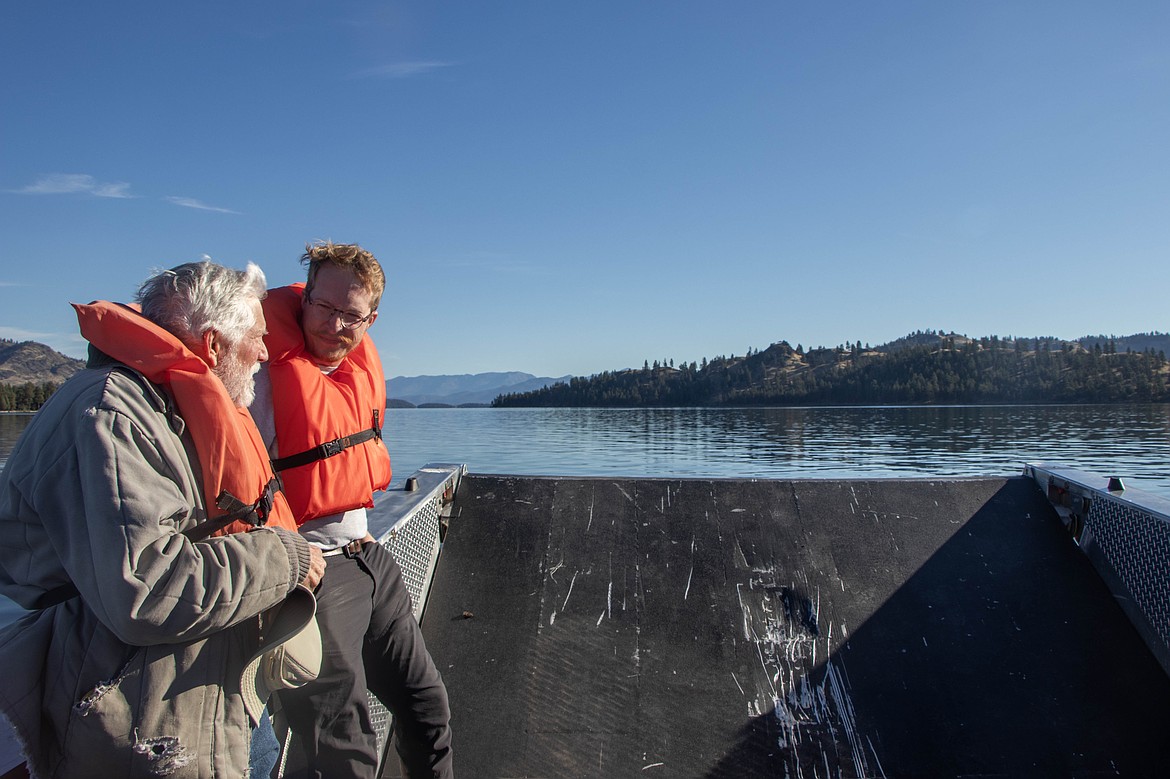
x: 289, y: 654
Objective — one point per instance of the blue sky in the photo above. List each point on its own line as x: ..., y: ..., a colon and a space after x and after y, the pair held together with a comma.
x: 565, y: 188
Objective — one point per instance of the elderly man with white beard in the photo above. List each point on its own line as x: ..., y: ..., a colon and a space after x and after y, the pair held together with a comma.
x: 120, y: 515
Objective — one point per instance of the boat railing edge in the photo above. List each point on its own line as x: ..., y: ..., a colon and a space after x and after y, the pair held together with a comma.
x: 1125, y: 533
x: 410, y: 523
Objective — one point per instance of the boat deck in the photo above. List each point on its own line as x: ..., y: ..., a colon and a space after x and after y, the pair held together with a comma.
x: 792, y: 628
x: 741, y: 628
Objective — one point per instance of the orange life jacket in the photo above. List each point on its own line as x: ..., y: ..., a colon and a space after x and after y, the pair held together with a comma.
x: 328, y: 427
x: 237, y: 476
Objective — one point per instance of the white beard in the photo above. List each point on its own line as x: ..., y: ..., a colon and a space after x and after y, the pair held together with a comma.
x: 237, y: 379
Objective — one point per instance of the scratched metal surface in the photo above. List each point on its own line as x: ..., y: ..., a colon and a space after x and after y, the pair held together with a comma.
x: 899, y: 628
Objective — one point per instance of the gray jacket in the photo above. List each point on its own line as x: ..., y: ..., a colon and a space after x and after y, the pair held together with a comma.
x: 139, y: 676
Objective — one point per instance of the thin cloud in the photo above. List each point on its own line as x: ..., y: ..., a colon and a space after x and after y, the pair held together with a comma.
x: 85, y: 184
x: 190, y: 202
x: 17, y: 334
x: 76, y: 183
x: 69, y: 344
x: 402, y: 69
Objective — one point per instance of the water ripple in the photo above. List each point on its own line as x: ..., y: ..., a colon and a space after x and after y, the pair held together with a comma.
x: 1130, y: 441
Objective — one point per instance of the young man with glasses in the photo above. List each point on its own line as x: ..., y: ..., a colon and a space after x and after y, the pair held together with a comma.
x: 320, y: 404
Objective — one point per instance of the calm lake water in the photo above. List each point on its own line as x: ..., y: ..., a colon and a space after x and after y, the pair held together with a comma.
x: 1131, y: 441
x: 1128, y: 441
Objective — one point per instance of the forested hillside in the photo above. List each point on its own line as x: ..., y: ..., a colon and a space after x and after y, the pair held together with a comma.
x: 925, y: 367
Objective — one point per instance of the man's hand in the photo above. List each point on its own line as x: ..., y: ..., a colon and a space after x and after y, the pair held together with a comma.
x: 316, y: 568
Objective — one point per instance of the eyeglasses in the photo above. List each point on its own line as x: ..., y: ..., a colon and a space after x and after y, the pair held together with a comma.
x: 349, y: 320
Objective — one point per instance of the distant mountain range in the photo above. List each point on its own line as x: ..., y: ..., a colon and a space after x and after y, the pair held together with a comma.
x: 29, y: 362
x: 478, y: 389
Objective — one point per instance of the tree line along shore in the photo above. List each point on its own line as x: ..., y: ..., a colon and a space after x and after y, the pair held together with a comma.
x: 945, y: 370
x: 28, y: 396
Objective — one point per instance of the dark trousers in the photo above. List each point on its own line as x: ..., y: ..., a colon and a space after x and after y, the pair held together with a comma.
x: 370, y: 640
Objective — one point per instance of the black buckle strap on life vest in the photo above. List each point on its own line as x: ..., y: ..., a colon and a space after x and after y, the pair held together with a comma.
x: 255, y: 514
x: 329, y: 448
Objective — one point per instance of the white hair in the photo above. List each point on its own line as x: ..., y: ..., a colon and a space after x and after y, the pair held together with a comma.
x: 191, y: 299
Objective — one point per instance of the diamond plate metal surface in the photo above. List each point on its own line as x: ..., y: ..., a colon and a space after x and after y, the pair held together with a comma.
x: 414, y: 540
x: 1126, y: 535
x: 415, y: 545
x: 1137, y: 545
